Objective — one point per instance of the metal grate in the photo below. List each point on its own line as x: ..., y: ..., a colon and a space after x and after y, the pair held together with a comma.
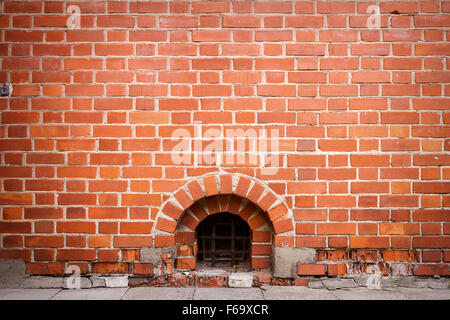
x: 223, y: 237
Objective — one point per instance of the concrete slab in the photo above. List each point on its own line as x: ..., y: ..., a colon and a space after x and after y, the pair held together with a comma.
x: 117, y: 282
x: 240, y: 280
x: 228, y: 294
x: 91, y: 294
x: 367, y: 294
x: 98, y: 281
x: 296, y: 293
x: 159, y: 293
x: 285, y: 260
x: 12, y: 273
x: 42, y: 282
x: 316, y: 284
x: 153, y: 255
x: 27, y: 294
x: 422, y: 294
x: 439, y: 283
x: 77, y: 283
x: 403, y: 282
x: 333, y: 284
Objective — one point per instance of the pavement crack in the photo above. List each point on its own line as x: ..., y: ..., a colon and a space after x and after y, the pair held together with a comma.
x: 193, y: 293
x: 125, y: 293
x: 262, y: 293
x: 55, y: 294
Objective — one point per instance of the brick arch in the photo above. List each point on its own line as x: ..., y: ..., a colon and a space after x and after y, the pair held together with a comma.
x: 246, y: 210
x: 266, y: 214
x: 205, y: 187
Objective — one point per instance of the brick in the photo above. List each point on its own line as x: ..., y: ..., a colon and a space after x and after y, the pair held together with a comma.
x: 196, y: 190
x: 211, y: 36
x: 166, y: 225
x: 399, y: 6
x: 336, y: 269
x: 306, y: 161
x: 399, y: 228
x: 241, y: 77
x: 99, y: 242
x: 431, y: 269
x: 369, y: 242
x: 76, y: 254
x: 306, y: 187
x: 164, y: 241
x: 241, y: 22
x: 430, y: 215
x: 15, y: 227
x: 369, y: 160
x: 111, y: 267
x: 44, y: 241
x: 183, y: 198
x: 54, y: 268
x: 274, y: 63
x: 143, y: 268
x: 336, y: 228
x: 172, y: 210
x: 273, y: 36
x: 430, y: 242
x: 186, y: 263
x: 398, y: 201
x: 311, y: 269
x: 75, y: 227
x: 283, y: 225
x: 132, y: 241
x: 305, y: 49
x: 211, y: 187
x: 242, y: 186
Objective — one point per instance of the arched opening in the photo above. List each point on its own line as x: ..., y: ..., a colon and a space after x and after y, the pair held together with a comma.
x: 268, y: 217
x: 210, y: 229
x: 223, y: 241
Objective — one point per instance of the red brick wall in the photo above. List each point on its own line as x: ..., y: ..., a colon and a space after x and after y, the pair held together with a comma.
x: 362, y: 115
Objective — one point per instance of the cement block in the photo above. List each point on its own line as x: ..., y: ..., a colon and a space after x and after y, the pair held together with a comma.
x: 12, y: 273
x: 337, y: 283
x: 406, y: 282
x: 153, y: 255
x: 438, y: 283
x: 117, y: 282
x: 42, y: 282
x: 98, y: 282
x: 240, y: 280
x: 211, y: 273
x: 71, y: 283
x: 315, y: 284
x: 360, y: 279
x: 285, y: 260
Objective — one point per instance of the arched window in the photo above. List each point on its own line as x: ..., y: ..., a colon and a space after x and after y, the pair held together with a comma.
x: 223, y: 241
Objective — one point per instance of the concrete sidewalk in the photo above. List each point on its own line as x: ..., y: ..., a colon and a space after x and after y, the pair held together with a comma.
x: 263, y: 293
